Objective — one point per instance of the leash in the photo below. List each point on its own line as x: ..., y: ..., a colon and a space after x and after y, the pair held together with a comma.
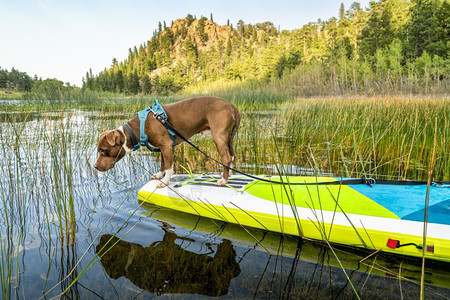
x: 162, y: 118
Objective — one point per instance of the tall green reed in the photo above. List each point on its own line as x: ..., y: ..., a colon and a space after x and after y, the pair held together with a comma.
x: 15, y: 186
x: 390, y: 138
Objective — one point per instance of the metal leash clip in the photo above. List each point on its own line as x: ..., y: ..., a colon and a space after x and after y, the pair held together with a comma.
x: 160, y: 117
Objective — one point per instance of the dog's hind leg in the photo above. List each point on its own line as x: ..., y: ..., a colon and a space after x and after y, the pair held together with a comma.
x: 222, y: 145
x: 232, y: 153
x: 231, y: 139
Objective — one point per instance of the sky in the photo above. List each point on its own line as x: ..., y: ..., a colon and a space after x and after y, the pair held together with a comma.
x: 64, y: 39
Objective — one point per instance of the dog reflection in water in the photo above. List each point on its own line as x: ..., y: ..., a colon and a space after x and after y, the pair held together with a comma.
x: 165, y: 267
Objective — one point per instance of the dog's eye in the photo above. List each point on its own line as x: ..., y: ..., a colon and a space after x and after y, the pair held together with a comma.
x: 102, y: 152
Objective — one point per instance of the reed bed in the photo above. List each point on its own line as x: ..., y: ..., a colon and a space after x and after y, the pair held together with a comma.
x: 389, y: 138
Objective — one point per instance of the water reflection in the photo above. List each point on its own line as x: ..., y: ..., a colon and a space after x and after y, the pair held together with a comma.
x: 276, y: 266
x: 166, y: 267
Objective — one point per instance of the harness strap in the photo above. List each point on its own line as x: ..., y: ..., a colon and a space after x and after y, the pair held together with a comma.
x: 143, y: 138
x: 157, y: 110
x: 159, y: 113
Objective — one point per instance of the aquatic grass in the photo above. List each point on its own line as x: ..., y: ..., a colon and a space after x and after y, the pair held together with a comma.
x: 248, y: 96
x: 15, y: 199
x: 60, y: 160
x: 387, y: 138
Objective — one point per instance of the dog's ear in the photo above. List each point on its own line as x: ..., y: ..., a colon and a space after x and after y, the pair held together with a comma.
x: 113, y: 137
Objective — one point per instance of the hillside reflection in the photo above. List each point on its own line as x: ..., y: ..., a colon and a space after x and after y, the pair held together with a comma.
x: 165, y: 267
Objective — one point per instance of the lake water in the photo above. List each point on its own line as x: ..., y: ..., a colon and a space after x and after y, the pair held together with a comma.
x: 57, y: 213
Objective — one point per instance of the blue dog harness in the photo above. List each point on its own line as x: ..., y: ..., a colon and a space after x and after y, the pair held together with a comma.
x: 159, y: 114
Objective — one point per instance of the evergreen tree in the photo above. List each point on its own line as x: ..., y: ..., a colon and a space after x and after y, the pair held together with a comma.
x: 3, y: 78
x: 341, y: 12
x: 428, y: 28
x: 189, y: 19
x: 146, y: 84
x: 119, y: 81
x: 385, y: 23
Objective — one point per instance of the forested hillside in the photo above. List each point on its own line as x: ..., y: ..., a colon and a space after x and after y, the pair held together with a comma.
x: 394, y: 46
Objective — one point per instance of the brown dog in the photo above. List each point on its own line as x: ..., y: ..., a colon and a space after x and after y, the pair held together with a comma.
x: 191, y: 116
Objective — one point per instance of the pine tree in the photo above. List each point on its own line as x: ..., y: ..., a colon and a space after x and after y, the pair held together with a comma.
x: 3, y: 78
x: 428, y: 28
x: 342, y: 12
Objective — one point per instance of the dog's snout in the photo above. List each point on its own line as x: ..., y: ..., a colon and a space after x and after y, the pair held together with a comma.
x: 97, y: 166
x: 102, y: 166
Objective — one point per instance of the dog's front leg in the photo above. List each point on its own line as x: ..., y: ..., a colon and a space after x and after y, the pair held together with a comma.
x: 160, y: 174
x: 166, y: 165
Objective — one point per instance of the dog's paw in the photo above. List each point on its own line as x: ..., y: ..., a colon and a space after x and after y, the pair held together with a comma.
x: 158, y: 176
x: 221, y: 182
x: 161, y: 185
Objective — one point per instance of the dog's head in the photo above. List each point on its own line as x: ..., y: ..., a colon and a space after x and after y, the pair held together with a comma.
x: 110, y: 149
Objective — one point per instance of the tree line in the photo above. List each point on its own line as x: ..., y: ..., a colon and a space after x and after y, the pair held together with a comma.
x: 16, y: 80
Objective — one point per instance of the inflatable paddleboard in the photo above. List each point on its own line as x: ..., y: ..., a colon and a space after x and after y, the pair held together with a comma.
x: 379, y: 217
